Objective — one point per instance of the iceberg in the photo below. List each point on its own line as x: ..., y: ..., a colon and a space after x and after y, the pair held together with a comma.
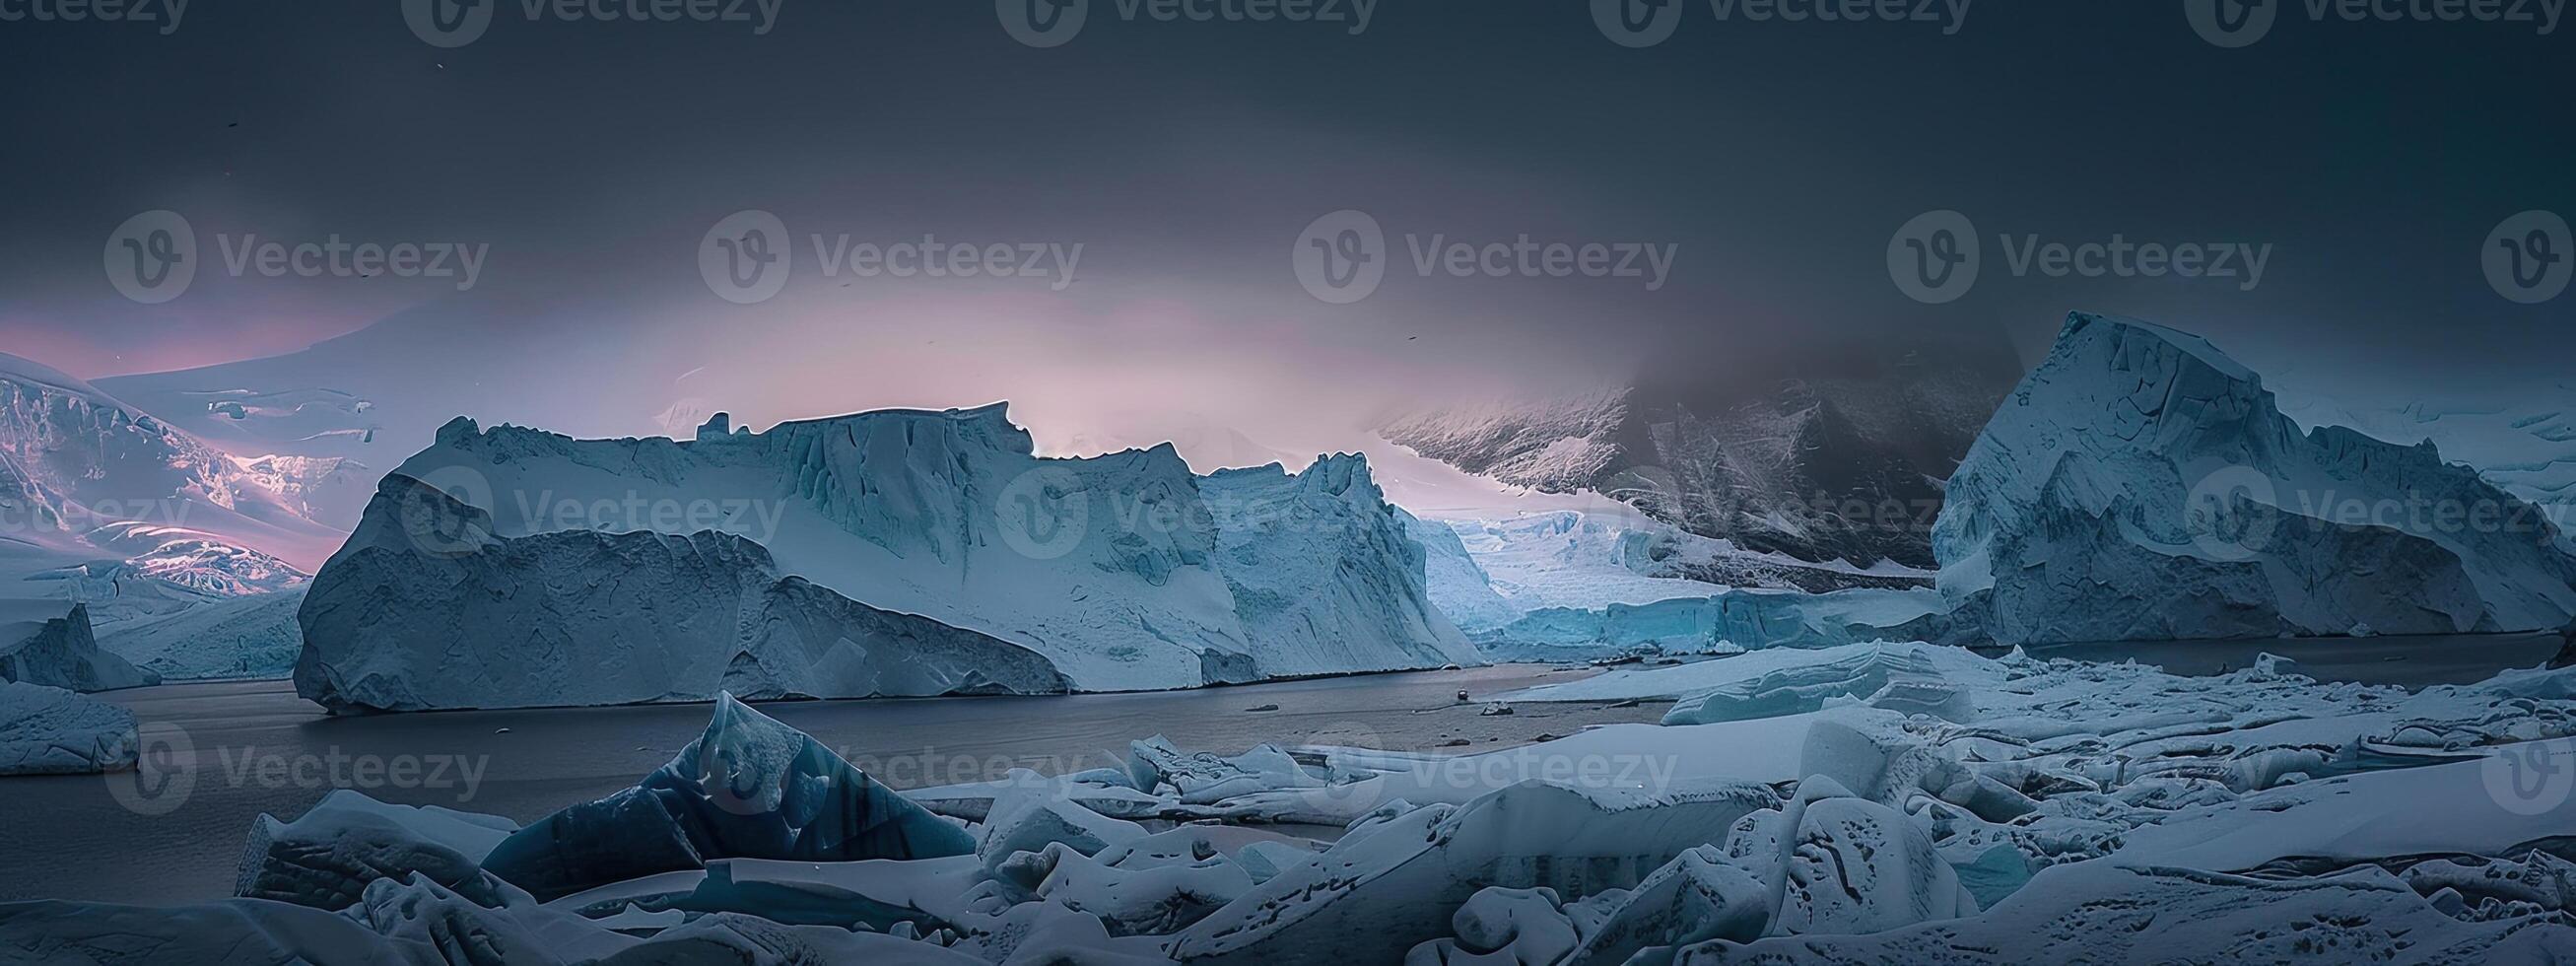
x: 683, y: 617
x: 804, y: 559
x: 2142, y: 485
x: 49, y: 642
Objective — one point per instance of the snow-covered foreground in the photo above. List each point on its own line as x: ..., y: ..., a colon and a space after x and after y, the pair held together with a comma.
x: 1866, y: 803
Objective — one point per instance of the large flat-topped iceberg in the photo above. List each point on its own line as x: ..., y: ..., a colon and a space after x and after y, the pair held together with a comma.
x: 843, y: 553
x: 2139, y: 484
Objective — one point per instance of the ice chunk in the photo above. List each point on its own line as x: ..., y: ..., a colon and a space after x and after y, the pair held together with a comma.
x: 1202, y: 777
x: 734, y: 939
x: 1029, y: 819
x: 1838, y: 864
x: 1502, y: 927
x: 1397, y: 880
x: 1136, y: 895
x: 749, y: 787
x: 326, y: 858
x: 51, y: 731
x: 2101, y: 912
x: 1697, y: 897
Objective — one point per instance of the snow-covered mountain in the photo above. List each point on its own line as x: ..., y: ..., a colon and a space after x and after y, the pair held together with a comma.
x: 2142, y: 485
x: 104, y: 505
x: 81, y: 471
x: 1826, y: 462
x: 811, y: 558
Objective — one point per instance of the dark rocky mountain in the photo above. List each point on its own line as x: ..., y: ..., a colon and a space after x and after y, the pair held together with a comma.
x: 1811, y: 456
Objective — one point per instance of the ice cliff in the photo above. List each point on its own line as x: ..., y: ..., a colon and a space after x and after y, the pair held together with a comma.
x: 897, y: 552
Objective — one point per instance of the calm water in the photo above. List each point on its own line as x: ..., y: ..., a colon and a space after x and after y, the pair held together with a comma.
x: 253, y: 747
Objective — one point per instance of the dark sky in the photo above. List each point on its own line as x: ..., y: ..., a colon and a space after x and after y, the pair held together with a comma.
x: 1186, y: 158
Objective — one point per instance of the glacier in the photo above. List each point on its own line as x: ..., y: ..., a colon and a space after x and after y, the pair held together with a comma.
x: 898, y: 552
